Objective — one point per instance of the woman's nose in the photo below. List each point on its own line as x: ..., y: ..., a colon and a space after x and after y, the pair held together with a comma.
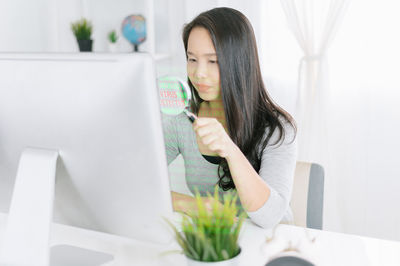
x: 201, y: 71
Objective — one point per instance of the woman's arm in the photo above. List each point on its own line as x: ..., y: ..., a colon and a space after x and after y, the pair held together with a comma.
x: 264, y: 195
x: 253, y: 191
x: 170, y: 137
x: 184, y: 203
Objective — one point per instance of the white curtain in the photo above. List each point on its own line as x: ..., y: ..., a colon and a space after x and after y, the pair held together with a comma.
x: 314, y: 24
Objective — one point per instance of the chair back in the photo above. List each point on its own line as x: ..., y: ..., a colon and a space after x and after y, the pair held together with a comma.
x: 308, y: 195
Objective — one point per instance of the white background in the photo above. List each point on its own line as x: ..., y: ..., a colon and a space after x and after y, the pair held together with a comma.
x: 364, y: 83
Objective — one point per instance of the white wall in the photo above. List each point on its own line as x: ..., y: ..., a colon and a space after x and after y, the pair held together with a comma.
x: 45, y: 25
x: 66, y: 12
x: 107, y: 15
x: 279, y: 55
x: 366, y: 93
x: 25, y: 25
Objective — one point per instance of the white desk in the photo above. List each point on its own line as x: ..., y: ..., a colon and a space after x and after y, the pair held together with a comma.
x: 330, y: 248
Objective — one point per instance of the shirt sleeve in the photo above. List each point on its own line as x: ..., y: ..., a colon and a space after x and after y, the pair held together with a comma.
x: 169, y: 124
x: 277, y: 168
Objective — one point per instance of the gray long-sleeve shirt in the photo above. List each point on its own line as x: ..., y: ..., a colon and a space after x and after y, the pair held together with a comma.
x: 277, y: 168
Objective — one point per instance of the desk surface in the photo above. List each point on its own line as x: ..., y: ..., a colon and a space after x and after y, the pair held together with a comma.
x: 329, y: 248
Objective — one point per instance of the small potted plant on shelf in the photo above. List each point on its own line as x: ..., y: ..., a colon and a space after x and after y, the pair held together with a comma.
x: 209, y: 235
x: 82, y: 30
x: 112, y: 39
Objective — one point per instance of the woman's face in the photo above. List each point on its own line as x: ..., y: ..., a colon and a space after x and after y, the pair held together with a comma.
x: 202, y: 64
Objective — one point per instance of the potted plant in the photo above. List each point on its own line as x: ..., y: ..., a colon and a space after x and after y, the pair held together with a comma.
x: 112, y: 39
x: 209, y: 235
x: 82, y: 30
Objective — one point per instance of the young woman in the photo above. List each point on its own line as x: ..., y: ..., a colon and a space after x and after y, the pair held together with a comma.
x: 241, y: 139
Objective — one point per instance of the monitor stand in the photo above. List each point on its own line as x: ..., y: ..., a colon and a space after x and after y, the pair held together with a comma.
x: 27, y: 236
x: 26, y: 239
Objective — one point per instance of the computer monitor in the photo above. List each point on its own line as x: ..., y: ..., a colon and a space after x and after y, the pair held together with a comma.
x: 100, y: 114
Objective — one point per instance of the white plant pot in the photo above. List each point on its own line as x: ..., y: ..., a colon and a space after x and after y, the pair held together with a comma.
x: 235, y: 261
x: 112, y: 47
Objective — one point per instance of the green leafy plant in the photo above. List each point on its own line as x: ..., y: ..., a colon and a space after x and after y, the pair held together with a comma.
x: 211, y: 235
x: 112, y: 36
x: 82, y: 29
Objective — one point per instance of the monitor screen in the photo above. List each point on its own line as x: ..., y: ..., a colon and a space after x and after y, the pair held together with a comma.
x: 101, y: 113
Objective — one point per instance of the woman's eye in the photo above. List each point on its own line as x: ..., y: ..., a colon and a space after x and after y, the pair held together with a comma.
x: 192, y: 60
x: 213, y: 61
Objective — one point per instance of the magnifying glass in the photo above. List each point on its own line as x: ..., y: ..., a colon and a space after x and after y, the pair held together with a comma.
x: 175, y: 96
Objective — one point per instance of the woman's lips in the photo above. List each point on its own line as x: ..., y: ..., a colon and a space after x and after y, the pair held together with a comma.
x: 202, y: 87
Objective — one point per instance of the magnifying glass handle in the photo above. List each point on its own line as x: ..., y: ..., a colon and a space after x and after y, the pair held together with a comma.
x: 190, y: 115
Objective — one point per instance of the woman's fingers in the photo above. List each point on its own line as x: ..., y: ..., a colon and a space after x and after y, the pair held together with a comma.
x: 204, y: 122
x: 210, y: 138
x: 217, y: 147
x: 212, y: 134
x: 206, y: 130
x: 209, y: 204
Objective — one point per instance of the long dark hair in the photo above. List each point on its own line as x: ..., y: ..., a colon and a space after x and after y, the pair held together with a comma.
x: 248, y: 108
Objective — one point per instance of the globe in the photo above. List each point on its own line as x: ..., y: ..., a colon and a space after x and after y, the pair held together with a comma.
x: 134, y: 30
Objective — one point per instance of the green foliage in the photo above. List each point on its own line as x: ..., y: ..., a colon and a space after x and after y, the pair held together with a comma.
x: 112, y: 36
x: 82, y: 29
x: 211, y: 235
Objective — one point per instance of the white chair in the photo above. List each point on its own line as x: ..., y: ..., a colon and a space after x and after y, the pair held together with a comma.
x: 308, y: 195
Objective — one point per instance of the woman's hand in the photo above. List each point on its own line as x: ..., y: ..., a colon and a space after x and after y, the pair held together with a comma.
x: 209, y: 203
x: 213, y: 135
x: 185, y: 203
